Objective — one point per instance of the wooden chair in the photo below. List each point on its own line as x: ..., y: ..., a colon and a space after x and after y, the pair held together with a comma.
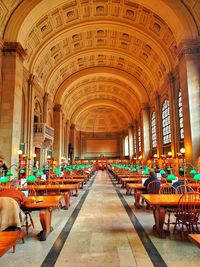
x: 168, y: 190
x: 153, y: 187
x: 188, y: 214
x: 28, y: 218
x: 181, y: 189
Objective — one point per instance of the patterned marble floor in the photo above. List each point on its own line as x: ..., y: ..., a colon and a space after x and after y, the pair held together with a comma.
x: 102, y: 235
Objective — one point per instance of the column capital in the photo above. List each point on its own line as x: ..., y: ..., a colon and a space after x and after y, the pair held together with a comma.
x: 145, y: 106
x: 57, y: 107
x: 14, y: 47
x: 189, y: 47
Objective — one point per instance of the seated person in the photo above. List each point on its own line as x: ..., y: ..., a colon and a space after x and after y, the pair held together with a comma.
x: 3, y: 167
x: 17, y: 195
x: 176, y: 184
x: 152, y: 177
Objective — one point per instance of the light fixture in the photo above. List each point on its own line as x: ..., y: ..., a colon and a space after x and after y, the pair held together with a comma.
x: 197, y: 177
x: 48, y: 156
x: 182, y: 150
x: 19, y: 152
x: 155, y: 156
x: 169, y: 153
x: 34, y: 155
x: 171, y: 177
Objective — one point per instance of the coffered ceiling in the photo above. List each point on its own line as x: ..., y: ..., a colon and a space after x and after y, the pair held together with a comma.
x: 100, y: 59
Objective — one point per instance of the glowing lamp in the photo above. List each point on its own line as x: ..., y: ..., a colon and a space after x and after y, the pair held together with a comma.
x: 31, y: 179
x: 162, y: 172
x: 22, y: 171
x: 4, y: 179
x: 9, y: 174
x: 171, y: 177
x: 197, y: 177
x: 193, y: 171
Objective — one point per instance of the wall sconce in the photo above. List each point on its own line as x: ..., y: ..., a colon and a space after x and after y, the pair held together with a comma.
x: 155, y: 156
x: 48, y: 156
x: 34, y: 155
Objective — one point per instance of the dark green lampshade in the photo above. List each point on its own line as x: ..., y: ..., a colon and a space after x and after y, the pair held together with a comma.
x: 58, y: 172
x: 4, y: 179
x: 34, y: 171
x: 31, y: 178
x: 134, y: 169
x: 169, y: 169
x: 171, y: 177
x: 193, y: 171
x: 22, y: 171
x: 197, y: 177
x: 9, y: 174
x: 181, y: 169
x: 162, y: 172
x: 146, y: 172
x: 40, y: 173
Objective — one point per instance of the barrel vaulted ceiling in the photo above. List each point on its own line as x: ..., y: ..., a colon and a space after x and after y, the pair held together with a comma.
x: 101, y: 59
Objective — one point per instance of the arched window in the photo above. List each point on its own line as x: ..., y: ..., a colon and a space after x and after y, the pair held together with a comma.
x: 153, y: 130
x: 180, y: 115
x: 134, y: 143
x: 166, y: 123
x: 139, y: 140
x: 126, y: 150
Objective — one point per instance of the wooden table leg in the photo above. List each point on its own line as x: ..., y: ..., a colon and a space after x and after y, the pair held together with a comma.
x: 159, y: 217
x: 45, y: 220
x: 137, y: 195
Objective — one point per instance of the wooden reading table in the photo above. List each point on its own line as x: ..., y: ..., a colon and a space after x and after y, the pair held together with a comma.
x: 195, y: 238
x: 45, y: 204
x: 159, y: 203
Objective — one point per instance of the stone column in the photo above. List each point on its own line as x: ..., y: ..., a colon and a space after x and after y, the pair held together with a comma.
x: 30, y: 116
x: 73, y: 139
x: 145, y: 131
x: 189, y: 72
x: 45, y: 106
x: 11, y: 100
x: 57, y: 132
x: 173, y: 115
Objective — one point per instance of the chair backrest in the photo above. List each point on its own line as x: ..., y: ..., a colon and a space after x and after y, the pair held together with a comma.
x: 153, y: 187
x: 181, y: 189
x: 167, y: 190
x: 189, y: 207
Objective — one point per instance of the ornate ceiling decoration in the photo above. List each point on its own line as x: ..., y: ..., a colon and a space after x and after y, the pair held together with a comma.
x: 99, y: 55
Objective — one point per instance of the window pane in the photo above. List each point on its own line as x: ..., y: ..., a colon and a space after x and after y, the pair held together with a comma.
x: 166, y: 123
x: 180, y: 113
x: 153, y: 130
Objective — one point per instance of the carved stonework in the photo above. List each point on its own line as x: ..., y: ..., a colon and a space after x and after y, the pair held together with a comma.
x: 189, y: 48
x: 57, y: 108
x: 14, y: 47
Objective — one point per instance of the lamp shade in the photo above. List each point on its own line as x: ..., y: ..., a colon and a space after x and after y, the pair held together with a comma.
x: 9, y: 174
x: 31, y: 178
x: 22, y: 171
x: 193, y: 171
x: 171, y: 177
x: 145, y: 172
x: 34, y: 171
x: 40, y: 173
x: 4, y: 179
x: 134, y: 169
x: 197, y: 177
x: 169, y: 169
x: 181, y: 169
x: 162, y: 172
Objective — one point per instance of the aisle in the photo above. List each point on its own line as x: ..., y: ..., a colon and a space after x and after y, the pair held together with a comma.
x: 102, y: 234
